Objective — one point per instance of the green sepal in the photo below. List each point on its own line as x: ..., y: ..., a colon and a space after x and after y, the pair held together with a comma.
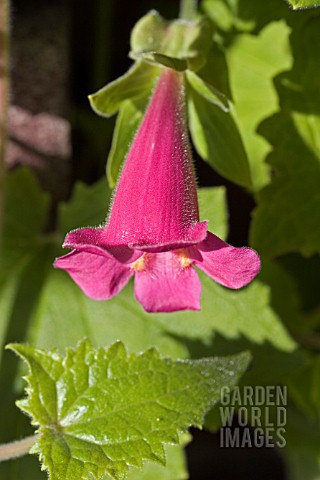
x: 166, y: 42
x: 138, y: 79
x: 209, y: 92
x: 160, y: 60
x: 127, y: 123
x: 217, y: 139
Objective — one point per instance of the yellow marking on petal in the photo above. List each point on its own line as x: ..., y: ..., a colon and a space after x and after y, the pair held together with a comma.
x: 141, y: 263
x: 184, y: 258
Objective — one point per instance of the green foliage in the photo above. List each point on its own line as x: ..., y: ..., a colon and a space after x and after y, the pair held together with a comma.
x: 284, y: 220
x: 303, y: 422
x: 175, y: 44
x: 252, y: 87
x: 253, y: 62
x: 210, y: 93
x: 213, y: 208
x: 128, y: 121
x: 298, y: 4
x: 183, y: 46
x: 22, y: 231
x: 139, y: 79
x: 87, y: 204
x: 217, y: 139
x: 100, y: 411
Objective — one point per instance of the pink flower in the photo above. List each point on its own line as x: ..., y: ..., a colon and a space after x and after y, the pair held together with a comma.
x: 153, y: 231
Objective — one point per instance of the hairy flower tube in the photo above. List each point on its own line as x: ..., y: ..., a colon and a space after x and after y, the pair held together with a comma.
x: 153, y: 230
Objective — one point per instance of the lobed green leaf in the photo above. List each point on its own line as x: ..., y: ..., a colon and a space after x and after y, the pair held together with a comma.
x: 102, y: 410
x: 253, y: 62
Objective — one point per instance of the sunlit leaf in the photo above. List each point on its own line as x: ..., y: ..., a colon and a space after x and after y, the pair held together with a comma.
x: 101, y: 411
x: 299, y: 4
x: 210, y: 93
x: 217, y: 139
x: 180, y: 40
x: 139, y: 79
x: 253, y: 63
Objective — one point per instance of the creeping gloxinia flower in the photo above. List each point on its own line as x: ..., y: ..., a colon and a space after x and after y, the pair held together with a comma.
x: 153, y: 231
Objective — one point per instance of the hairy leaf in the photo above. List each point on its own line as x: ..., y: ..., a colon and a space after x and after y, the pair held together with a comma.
x: 101, y: 411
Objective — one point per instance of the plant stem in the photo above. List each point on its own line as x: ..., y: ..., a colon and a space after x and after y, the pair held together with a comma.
x: 16, y: 449
x: 4, y: 90
x: 188, y: 9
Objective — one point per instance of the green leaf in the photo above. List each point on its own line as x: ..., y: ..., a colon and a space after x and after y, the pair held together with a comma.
x: 305, y: 387
x: 175, y: 468
x: 24, y: 218
x: 137, y: 81
x: 284, y: 220
x: 87, y: 206
x: 303, y: 458
x: 101, y: 411
x: 178, y: 40
x: 217, y: 139
x: 237, y: 16
x: 215, y: 71
x: 227, y: 14
x: 24, y: 221
x: 213, y: 208
x: 253, y: 63
x: 294, y: 281
x: 160, y: 60
x: 63, y: 305
x: 220, y: 12
x: 210, y: 93
x: 299, y: 4
x: 128, y: 121
x: 233, y: 314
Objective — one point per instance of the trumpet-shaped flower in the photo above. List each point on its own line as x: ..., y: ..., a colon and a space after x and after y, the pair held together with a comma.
x: 153, y: 231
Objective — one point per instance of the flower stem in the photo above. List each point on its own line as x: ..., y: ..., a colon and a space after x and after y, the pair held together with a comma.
x: 16, y: 449
x: 188, y: 9
x: 4, y: 90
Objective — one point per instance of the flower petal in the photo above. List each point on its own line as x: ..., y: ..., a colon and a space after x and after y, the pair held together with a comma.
x: 91, y: 240
x: 194, y: 235
x: 100, y: 277
x: 155, y: 205
x: 166, y: 286
x: 230, y: 266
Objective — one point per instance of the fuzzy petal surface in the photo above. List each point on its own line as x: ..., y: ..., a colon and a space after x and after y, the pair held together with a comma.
x: 100, y: 277
x: 166, y: 286
x: 92, y: 240
x: 155, y: 206
x: 230, y: 266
